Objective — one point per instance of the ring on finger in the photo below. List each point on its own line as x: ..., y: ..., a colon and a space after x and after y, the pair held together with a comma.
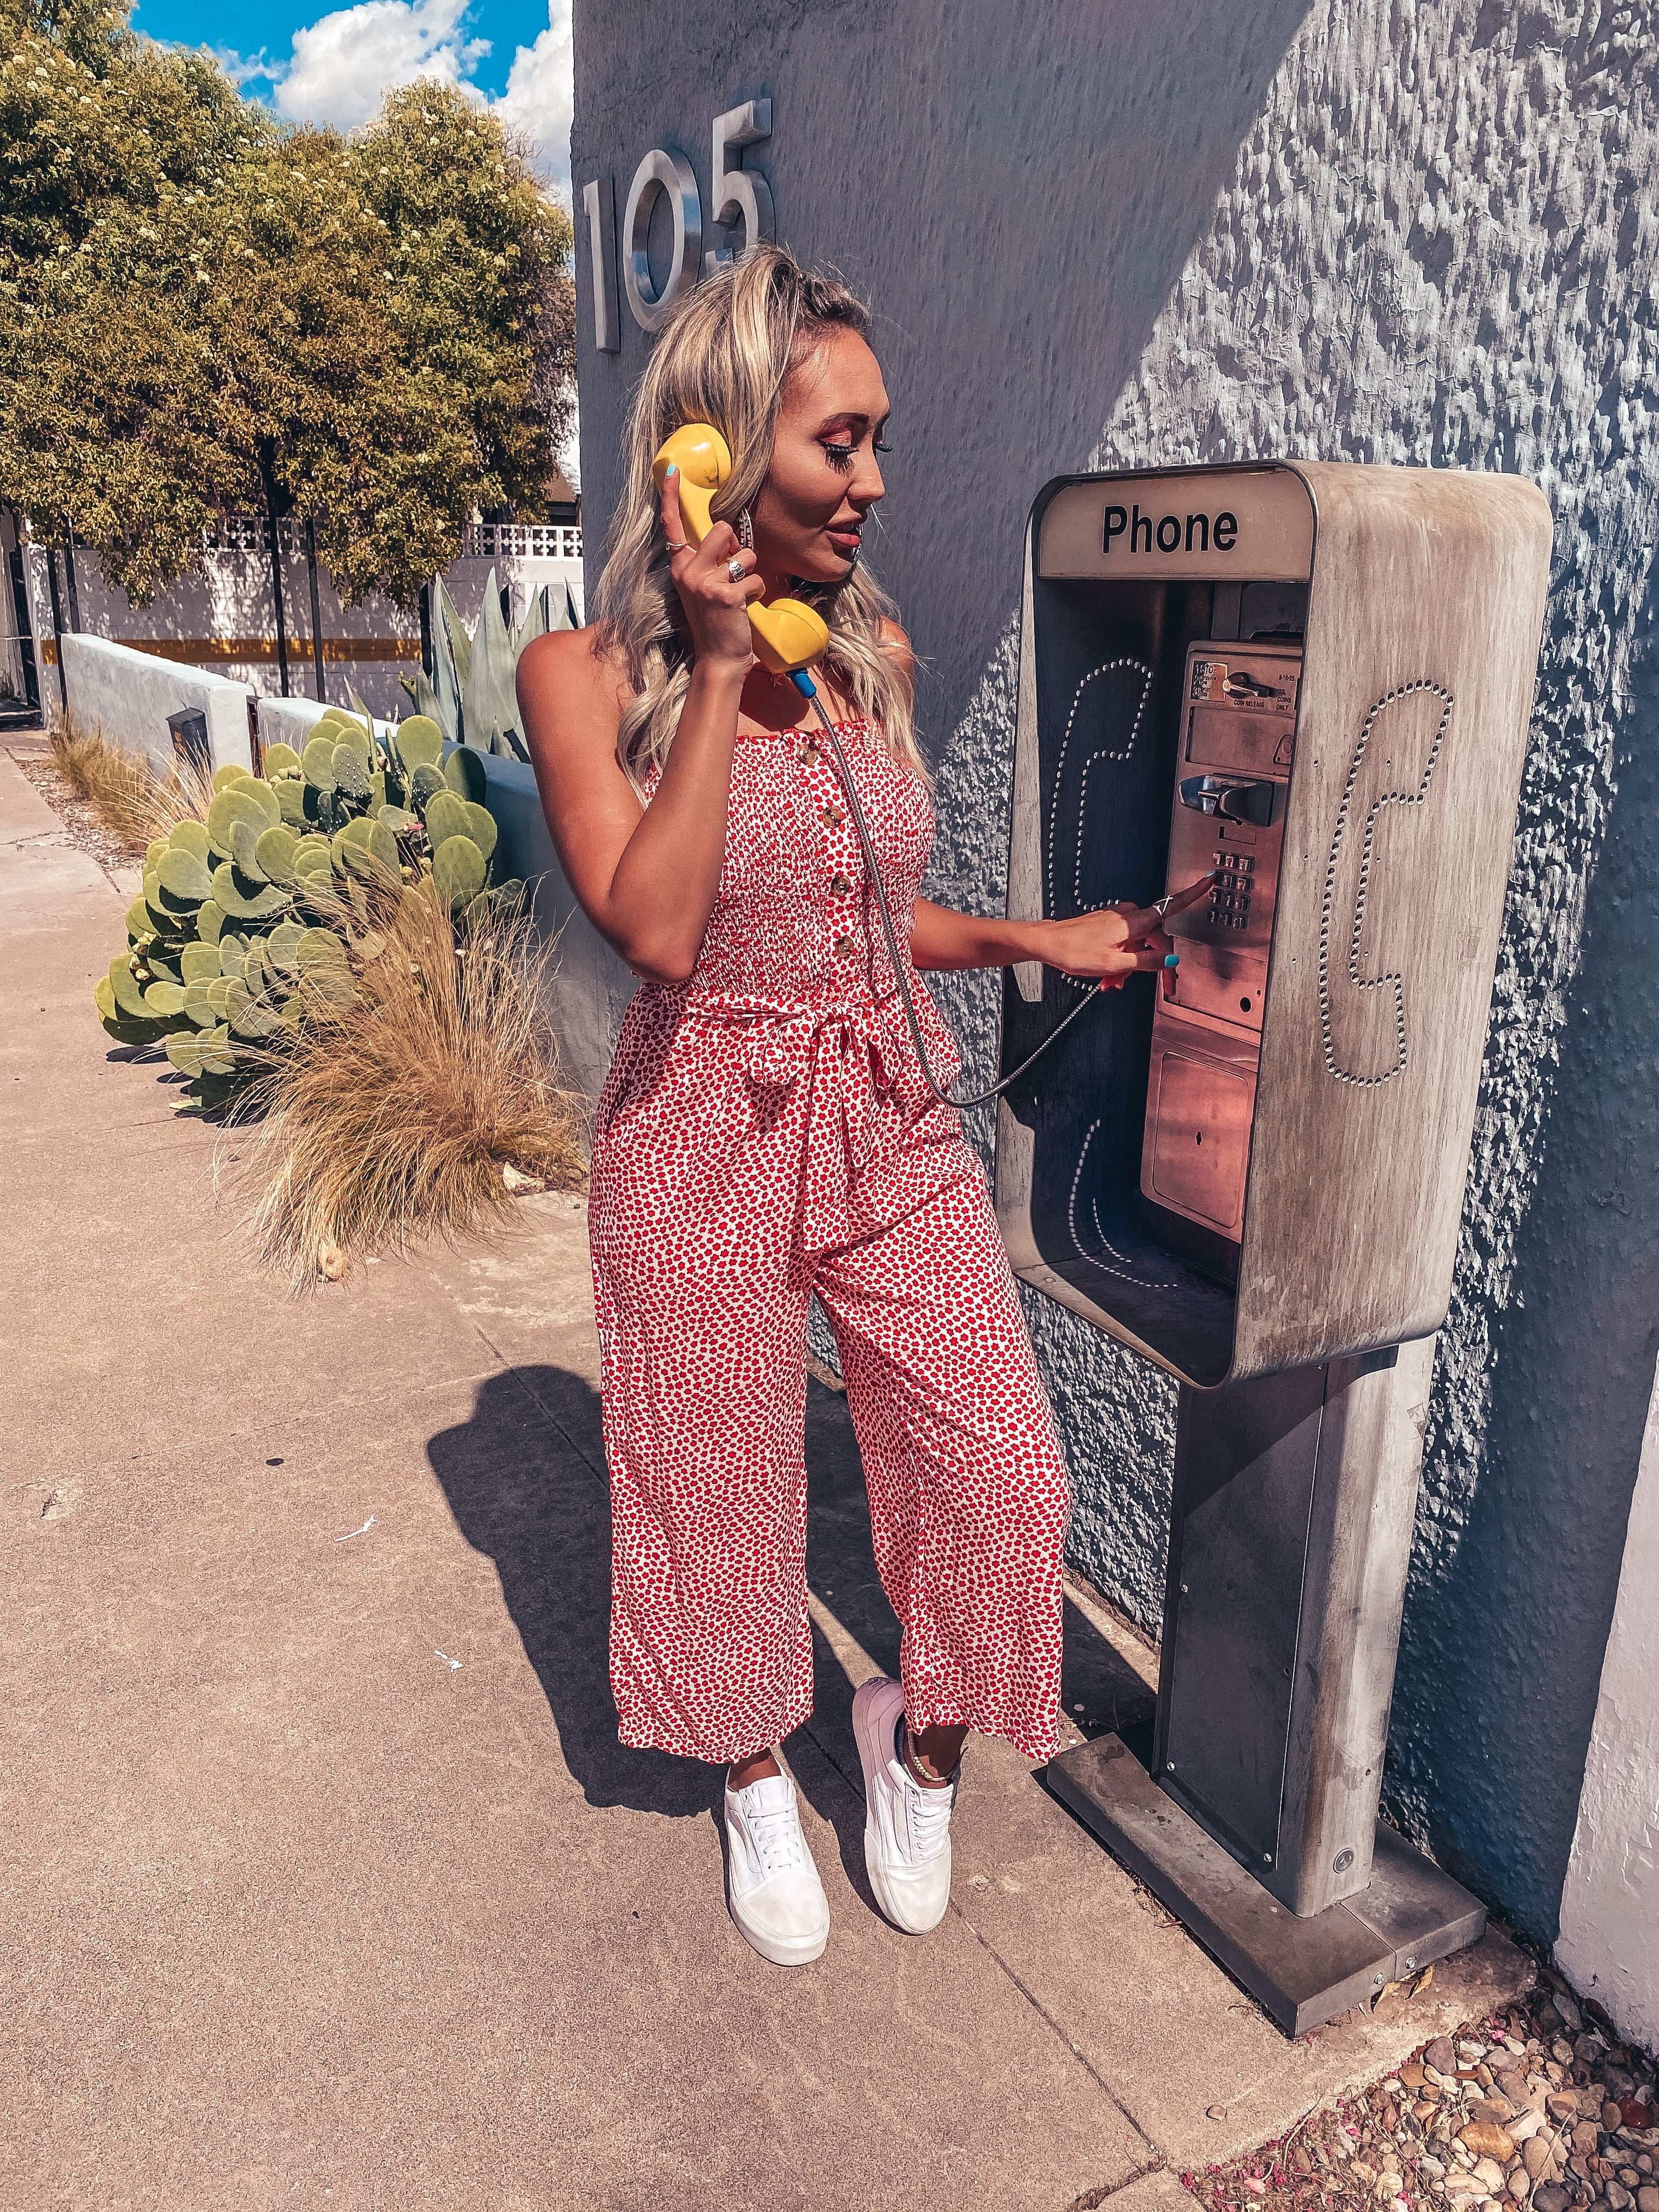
x: 734, y: 569
x: 677, y: 545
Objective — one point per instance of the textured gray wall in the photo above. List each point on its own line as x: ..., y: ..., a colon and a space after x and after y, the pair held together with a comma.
x: 1386, y: 232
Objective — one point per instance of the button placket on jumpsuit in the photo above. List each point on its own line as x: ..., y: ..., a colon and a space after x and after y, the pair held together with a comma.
x: 766, y: 1132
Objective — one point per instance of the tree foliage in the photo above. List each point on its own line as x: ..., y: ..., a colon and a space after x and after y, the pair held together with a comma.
x: 190, y: 297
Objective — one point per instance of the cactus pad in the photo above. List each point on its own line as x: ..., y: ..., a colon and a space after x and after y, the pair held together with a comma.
x: 419, y: 741
x: 165, y: 999
x: 481, y: 827
x: 311, y: 855
x: 244, y: 901
x: 183, y: 885
x: 423, y: 782
x: 282, y: 947
x: 458, y: 869
x: 264, y: 796
x: 398, y: 820
x: 367, y: 849
x: 129, y: 998
x: 280, y: 760
x: 291, y: 800
x: 244, y: 851
x: 354, y: 733
x: 233, y: 951
x: 210, y: 921
x: 350, y: 772
x: 188, y: 837
x: 464, y: 772
x: 319, y: 760
x: 196, y: 1000
x: 207, y: 1052
x: 224, y: 777
x: 153, y: 853
x: 199, y: 962
x: 444, y: 815
x: 319, y: 948
x: 251, y: 1017
x: 138, y: 920
x: 233, y: 805
x: 274, y: 850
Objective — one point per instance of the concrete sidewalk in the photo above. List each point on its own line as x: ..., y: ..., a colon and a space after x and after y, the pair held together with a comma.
x: 325, y: 1880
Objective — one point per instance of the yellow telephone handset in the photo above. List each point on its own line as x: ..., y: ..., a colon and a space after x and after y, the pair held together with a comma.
x: 787, y: 635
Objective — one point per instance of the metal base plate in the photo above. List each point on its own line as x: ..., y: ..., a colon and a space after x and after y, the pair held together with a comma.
x: 1303, y: 1971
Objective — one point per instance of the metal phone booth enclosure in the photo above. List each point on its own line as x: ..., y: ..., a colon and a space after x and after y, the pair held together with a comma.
x: 1317, y: 679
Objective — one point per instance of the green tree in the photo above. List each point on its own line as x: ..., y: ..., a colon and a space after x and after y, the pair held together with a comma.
x: 197, y: 303
x: 112, y: 152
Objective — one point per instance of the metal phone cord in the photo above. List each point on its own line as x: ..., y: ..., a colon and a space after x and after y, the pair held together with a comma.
x: 855, y: 809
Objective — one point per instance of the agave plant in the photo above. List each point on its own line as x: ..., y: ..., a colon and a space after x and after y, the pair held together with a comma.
x: 472, y: 699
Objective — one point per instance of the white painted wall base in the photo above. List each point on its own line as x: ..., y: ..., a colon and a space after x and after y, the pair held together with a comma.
x: 129, y: 695
x: 1609, y: 1948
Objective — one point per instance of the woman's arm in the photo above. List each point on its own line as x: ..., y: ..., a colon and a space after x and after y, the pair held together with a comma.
x: 1110, y: 944
x: 647, y: 876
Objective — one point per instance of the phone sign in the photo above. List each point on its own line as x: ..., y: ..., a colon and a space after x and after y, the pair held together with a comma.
x: 1255, y: 524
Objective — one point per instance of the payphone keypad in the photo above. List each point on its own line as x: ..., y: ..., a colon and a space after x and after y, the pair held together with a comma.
x: 1229, y: 900
x: 1237, y: 742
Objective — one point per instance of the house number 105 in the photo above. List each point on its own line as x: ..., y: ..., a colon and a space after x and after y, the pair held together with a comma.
x: 738, y: 196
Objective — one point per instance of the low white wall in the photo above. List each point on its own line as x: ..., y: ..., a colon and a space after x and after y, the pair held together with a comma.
x: 290, y: 721
x: 129, y: 695
x: 1609, y: 1948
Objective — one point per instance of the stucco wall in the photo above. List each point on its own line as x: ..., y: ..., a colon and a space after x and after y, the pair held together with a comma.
x: 1386, y: 232
x: 129, y: 695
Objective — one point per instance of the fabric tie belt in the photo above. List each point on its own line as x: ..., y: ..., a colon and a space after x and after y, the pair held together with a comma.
x: 845, y: 1055
x: 783, y: 1041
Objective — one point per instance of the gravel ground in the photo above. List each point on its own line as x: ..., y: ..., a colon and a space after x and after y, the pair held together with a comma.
x: 1542, y: 2107
x: 85, y: 830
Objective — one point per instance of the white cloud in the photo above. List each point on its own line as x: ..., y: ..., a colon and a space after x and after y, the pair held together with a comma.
x: 536, y: 103
x: 343, y: 65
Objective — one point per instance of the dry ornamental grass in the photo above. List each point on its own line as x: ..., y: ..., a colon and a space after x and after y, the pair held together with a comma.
x: 415, y: 1103
x: 121, y: 787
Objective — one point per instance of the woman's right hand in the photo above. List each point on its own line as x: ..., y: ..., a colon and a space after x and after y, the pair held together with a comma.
x: 716, y: 604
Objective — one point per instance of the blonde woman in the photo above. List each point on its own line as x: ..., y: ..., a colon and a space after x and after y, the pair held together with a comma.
x: 767, y: 1132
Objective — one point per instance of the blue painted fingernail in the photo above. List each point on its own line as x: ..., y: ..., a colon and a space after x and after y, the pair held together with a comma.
x: 673, y: 470
x: 1172, y: 960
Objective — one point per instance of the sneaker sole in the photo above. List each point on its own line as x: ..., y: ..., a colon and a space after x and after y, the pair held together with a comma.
x: 871, y: 1759
x: 778, y: 1950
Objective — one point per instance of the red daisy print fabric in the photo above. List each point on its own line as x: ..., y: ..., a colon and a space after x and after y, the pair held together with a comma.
x: 766, y: 1132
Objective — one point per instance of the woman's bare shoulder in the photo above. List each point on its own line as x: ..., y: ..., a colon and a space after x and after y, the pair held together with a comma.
x: 572, y: 666
x: 897, y: 641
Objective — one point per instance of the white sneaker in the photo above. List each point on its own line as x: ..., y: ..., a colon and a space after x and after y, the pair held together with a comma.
x: 772, y: 1885
x: 907, y: 1829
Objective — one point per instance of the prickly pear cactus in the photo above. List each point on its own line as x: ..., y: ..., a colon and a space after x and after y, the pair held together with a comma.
x: 238, y: 926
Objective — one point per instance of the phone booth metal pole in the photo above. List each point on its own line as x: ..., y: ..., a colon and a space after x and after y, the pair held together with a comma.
x: 1314, y: 679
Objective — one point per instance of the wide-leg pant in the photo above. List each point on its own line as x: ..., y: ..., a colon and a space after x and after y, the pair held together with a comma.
x: 740, y: 1165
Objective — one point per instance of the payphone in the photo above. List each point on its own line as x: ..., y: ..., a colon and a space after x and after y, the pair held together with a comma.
x: 1315, y: 679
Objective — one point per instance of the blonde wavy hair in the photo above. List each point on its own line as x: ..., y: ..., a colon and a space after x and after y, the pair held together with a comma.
x: 723, y: 357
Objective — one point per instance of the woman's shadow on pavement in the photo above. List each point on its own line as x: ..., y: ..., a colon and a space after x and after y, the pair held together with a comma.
x: 524, y: 1478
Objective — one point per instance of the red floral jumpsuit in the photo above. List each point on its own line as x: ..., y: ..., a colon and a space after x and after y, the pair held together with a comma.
x: 765, y: 1134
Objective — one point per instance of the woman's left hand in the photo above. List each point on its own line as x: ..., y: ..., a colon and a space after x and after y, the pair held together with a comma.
x: 1118, y: 941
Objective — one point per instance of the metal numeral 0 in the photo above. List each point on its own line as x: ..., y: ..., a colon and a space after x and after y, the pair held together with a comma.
x: 671, y: 174
x: 735, y: 194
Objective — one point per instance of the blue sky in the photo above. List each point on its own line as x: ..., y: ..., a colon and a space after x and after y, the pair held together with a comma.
x: 318, y: 64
